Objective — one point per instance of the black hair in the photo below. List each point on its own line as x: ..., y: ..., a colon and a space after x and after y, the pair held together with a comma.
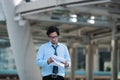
x: 52, y: 29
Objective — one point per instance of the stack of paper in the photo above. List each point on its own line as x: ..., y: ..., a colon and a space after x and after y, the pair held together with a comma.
x: 58, y: 61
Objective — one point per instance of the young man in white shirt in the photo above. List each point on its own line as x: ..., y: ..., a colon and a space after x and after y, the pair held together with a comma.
x: 47, y: 50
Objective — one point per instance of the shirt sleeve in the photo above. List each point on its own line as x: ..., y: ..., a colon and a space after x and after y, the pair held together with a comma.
x: 40, y: 59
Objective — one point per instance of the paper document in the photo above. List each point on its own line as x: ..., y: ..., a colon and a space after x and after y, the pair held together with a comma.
x: 57, y: 61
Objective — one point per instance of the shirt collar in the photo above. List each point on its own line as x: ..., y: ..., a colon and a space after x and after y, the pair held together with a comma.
x: 52, y: 44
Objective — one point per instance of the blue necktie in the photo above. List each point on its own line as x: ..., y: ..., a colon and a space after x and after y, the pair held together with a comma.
x: 55, y: 68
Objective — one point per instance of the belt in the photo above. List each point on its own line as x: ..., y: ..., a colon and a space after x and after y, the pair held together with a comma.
x: 53, y: 76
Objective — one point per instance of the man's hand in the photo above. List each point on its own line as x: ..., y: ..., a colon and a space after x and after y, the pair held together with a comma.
x: 65, y: 64
x: 49, y: 60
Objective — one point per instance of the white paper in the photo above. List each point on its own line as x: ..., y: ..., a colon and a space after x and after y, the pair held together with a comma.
x: 57, y: 61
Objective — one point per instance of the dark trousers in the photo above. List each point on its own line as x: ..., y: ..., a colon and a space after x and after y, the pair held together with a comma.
x: 49, y: 77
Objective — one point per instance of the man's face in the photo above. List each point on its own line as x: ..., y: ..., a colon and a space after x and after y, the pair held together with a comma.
x: 53, y: 37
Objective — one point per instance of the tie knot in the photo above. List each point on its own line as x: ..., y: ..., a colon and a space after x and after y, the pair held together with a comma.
x: 54, y: 46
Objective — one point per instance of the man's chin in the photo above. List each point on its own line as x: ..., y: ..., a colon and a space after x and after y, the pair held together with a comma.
x: 54, y: 42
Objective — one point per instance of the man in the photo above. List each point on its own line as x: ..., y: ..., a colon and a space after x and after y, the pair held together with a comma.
x: 45, y: 57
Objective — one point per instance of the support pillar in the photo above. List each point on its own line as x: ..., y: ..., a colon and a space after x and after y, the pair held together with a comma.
x: 96, y: 58
x: 89, y: 61
x: 72, y: 72
x: 114, y: 55
x: 21, y: 44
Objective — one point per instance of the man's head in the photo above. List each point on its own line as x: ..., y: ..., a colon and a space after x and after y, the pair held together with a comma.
x: 53, y: 33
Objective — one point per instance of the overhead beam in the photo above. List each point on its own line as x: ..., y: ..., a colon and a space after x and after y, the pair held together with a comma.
x: 45, y: 5
x: 62, y: 20
x: 105, y: 36
x: 116, y: 1
x: 90, y: 2
x: 103, y: 11
x: 42, y: 4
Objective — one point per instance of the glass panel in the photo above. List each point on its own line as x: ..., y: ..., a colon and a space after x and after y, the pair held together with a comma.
x: 80, y: 59
x: 6, y: 56
x: 104, y: 60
